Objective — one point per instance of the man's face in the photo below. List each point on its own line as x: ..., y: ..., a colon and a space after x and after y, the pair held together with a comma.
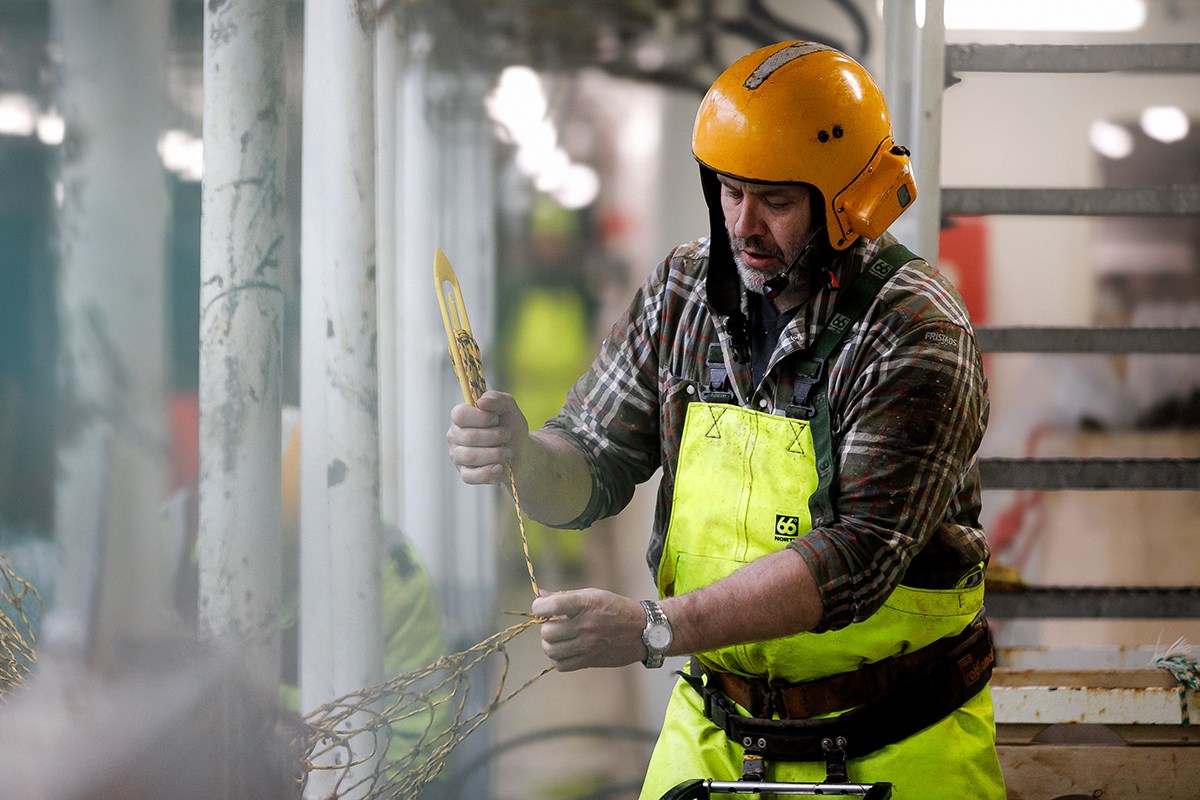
x: 768, y: 225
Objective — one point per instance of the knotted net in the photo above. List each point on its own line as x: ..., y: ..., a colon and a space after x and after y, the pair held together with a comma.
x: 391, y: 740
x: 384, y: 741
x: 17, y: 638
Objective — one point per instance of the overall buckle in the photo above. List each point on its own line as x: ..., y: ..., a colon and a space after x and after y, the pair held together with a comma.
x: 808, y: 374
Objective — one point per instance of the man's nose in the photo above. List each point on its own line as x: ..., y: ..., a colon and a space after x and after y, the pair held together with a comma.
x: 748, y: 219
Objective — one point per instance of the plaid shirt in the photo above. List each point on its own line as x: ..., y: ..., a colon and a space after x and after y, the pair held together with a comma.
x: 908, y: 406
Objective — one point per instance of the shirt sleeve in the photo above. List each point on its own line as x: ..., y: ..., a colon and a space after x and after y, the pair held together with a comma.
x: 907, y: 426
x: 611, y: 413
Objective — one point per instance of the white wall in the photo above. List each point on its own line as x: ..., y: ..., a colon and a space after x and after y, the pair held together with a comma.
x: 1032, y: 130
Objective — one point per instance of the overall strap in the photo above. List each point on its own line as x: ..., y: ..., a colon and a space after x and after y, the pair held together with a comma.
x: 719, y: 387
x: 809, y: 399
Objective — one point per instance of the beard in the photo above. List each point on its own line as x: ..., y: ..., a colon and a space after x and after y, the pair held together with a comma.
x: 755, y: 278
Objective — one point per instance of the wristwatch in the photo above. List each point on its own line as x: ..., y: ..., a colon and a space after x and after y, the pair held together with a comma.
x: 657, y: 634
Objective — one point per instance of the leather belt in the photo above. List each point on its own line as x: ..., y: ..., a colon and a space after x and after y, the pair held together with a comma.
x: 813, y: 698
x: 960, y: 672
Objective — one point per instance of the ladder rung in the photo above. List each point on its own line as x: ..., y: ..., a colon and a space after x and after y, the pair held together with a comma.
x: 995, y: 339
x: 1182, y: 58
x: 1165, y: 201
x: 1090, y: 473
x: 1122, y: 602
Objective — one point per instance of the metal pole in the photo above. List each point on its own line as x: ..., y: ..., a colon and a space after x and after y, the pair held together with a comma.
x: 444, y: 190
x: 927, y: 154
x: 466, y: 160
x: 340, y: 610
x: 900, y: 65
x: 422, y: 345
x: 387, y: 77
x: 240, y: 328
x: 112, y: 359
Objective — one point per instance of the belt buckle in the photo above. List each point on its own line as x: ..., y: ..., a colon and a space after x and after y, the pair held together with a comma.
x: 764, y: 699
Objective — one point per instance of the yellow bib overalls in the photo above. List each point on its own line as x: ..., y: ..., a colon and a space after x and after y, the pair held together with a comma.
x: 741, y: 492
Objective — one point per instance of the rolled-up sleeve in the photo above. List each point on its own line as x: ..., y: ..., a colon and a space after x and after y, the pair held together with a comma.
x: 913, y: 410
x: 611, y: 413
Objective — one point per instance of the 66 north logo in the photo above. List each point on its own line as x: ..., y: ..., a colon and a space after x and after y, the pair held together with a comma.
x: 786, y: 527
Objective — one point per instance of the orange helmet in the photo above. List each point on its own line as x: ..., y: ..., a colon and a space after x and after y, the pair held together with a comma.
x: 801, y: 112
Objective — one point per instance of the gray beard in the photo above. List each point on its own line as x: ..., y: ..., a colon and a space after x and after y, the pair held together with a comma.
x: 752, y: 279
x: 797, y: 290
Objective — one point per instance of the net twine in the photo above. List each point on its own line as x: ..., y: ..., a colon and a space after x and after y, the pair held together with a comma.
x: 401, y: 725
x: 400, y: 732
x: 472, y: 360
x: 391, y: 740
x: 17, y: 639
x: 1184, y: 667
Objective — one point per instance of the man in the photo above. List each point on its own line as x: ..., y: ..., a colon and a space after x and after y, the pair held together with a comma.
x: 815, y: 398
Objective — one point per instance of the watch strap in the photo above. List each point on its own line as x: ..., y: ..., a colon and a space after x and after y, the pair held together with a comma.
x: 655, y: 616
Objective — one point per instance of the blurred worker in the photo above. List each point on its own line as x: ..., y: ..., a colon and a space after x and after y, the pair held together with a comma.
x: 815, y: 398
x: 412, y: 626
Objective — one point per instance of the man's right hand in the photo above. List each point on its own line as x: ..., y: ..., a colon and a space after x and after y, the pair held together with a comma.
x: 486, y: 437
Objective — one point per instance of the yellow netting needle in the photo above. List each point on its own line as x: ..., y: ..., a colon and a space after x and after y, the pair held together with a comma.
x: 468, y: 365
x: 464, y: 352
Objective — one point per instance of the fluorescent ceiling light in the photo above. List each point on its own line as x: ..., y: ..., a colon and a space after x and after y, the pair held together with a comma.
x: 518, y: 101
x: 183, y: 154
x: 553, y: 172
x: 519, y: 106
x: 1044, y: 15
x: 1165, y: 123
x: 580, y: 187
x: 1110, y: 140
x: 18, y: 114
x: 51, y: 128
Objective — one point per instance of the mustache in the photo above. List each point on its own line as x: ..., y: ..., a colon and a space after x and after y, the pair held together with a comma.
x: 756, y: 244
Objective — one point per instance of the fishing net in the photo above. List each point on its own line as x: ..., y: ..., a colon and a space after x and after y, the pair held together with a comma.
x: 392, y: 740
x: 384, y: 741
x: 17, y: 637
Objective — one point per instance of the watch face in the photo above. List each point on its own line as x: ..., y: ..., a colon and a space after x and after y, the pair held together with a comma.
x: 658, y: 637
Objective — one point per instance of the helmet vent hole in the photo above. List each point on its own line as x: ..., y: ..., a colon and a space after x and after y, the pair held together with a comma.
x: 838, y: 132
x: 823, y: 136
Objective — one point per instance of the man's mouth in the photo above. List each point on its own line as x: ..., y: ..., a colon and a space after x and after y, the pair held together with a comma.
x: 758, y: 258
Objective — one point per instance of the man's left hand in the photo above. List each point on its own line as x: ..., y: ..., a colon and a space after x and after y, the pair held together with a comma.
x: 590, y: 628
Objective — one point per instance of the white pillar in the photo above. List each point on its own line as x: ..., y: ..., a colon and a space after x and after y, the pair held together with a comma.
x: 914, y: 83
x: 422, y: 344
x: 387, y: 80
x: 240, y: 328
x: 340, y: 610
x: 928, y: 163
x: 446, y: 196
x: 900, y: 79
x: 112, y: 443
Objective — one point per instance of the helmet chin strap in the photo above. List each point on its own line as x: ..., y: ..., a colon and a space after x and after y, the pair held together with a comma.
x: 773, y: 287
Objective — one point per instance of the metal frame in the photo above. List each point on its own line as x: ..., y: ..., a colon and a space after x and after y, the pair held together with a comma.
x: 1078, y: 58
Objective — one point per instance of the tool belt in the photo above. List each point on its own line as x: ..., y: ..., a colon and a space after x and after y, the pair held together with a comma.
x: 888, y: 700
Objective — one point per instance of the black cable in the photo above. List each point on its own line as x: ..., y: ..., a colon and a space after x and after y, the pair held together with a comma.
x: 758, y: 8
x: 860, y: 25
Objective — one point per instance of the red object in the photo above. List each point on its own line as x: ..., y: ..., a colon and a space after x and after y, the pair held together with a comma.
x: 963, y: 257
x: 185, y: 439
